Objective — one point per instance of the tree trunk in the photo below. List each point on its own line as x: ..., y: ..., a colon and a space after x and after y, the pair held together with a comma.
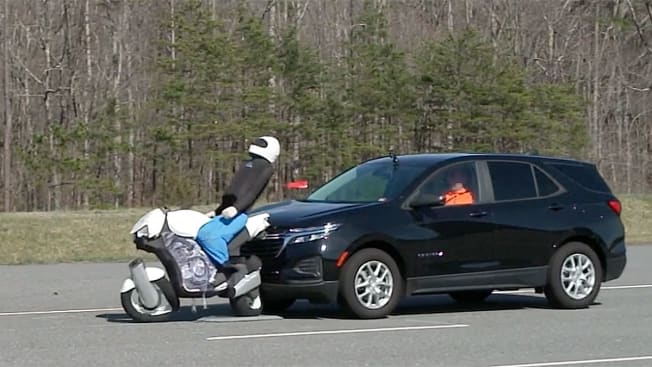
x: 468, y: 11
x: 54, y: 188
x: 132, y: 118
x: 173, y: 33
x: 88, y: 102
x: 630, y: 142
x: 33, y: 199
x: 451, y: 25
x: 6, y: 162
x: 595, y: 123
x: 117, y: 77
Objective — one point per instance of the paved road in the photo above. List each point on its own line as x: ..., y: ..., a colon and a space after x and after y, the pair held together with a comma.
x: 515, y: 329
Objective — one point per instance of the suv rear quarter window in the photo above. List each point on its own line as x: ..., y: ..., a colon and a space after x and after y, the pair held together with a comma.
x: 586, y: 175
x: 545, y: 184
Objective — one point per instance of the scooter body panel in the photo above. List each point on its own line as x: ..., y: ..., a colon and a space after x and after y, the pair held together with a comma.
x: 153, y: 274
x: 186, y: 264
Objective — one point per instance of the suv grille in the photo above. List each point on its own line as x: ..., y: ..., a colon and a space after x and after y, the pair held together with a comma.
x: 264, y: 249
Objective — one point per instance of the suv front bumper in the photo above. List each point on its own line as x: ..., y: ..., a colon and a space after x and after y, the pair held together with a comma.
x: 320, y: 292
x: 299, y: 279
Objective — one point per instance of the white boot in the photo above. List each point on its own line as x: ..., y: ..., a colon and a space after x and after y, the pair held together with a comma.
x: 256, y: 224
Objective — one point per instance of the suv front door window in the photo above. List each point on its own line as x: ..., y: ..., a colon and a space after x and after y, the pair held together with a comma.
x: 455, y: 185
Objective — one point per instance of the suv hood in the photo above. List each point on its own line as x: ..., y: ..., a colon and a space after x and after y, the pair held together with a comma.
x: 292, y: 214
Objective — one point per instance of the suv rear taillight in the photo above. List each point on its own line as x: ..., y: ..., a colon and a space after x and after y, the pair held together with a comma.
x: 615, y: 206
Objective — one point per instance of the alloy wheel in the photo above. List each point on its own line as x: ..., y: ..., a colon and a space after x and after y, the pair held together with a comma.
x: 374, y: 284
x: 577, y: 276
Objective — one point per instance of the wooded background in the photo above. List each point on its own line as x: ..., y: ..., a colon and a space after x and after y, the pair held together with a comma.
x: 110, y: 103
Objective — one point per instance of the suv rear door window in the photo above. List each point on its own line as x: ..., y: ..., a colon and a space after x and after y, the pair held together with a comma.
x: 512, y: 180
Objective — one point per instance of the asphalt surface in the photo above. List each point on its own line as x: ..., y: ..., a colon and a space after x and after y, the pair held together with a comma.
x: 70, y: 315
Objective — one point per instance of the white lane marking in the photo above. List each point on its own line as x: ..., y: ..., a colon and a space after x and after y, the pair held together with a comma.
x: 22, y: 313
x: 628, y: 286
x: 601, y: 288
x: 570, y: 363
x: 344, y: 331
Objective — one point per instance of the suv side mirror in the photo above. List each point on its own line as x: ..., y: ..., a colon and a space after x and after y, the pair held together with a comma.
x: 427, y: 200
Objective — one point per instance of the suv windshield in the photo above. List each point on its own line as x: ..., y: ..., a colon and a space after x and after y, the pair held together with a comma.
x: 368, y: 182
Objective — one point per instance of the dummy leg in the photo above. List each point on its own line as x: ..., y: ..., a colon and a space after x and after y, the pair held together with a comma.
x: 212, y: 242
x: 254, y: 226
x: 215, y: 235
x: 237, y: 242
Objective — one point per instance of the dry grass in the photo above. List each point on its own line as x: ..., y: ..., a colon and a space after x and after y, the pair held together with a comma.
x: 103, y: 235
x: 98, y: 235
x: 637, y: 217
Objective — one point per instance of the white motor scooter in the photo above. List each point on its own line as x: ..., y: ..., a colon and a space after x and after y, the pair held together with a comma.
x: 149, y: 296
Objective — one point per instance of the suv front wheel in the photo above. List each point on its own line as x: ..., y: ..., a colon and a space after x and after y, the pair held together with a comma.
x: 574, y: 276
x: 371, y: 284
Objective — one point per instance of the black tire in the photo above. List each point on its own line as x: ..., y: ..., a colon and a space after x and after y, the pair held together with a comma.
x: 249, y: 304
x: 132, y: 306
x: 276, y: 305
x: 555, y: 291
x: 470, y: 296
x: 348, y: 296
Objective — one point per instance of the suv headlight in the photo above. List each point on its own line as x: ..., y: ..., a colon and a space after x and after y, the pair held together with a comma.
x: 301, y: 235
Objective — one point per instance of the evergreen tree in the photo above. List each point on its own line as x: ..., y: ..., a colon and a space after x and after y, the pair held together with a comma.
x: 379, y: 98
x: 471, y: 101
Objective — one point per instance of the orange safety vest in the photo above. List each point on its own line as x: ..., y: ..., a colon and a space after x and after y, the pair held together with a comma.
x: 458, y: 197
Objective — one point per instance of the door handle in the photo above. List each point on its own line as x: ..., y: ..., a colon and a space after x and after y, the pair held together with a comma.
x: 555, y: 207
x: 478, y: 214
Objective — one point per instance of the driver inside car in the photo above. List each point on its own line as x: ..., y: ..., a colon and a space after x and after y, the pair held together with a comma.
x: 458, y: 192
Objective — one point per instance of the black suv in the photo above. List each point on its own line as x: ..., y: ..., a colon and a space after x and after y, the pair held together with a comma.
x: 384, y: 229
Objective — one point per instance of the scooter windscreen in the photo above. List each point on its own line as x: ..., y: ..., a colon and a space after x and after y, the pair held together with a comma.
x: 149, y: 225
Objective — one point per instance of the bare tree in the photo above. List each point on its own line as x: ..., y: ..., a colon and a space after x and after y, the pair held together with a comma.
x: 6, y: 162
x: 88, y: 89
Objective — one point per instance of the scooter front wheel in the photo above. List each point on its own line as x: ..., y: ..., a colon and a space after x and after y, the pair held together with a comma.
x: 249, y: 304
x: 134, y: 307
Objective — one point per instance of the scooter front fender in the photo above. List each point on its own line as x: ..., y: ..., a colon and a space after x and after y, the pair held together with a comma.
x: 153, y: 274
x: 250, y: 282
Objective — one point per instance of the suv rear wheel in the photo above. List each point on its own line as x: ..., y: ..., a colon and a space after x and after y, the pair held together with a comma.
x: 371, y: 284
x: 574, y: 276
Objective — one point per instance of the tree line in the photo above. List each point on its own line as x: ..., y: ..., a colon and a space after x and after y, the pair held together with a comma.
x: 113, y: 103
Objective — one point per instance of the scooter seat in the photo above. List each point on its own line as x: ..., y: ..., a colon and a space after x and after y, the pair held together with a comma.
x: 186, y: 223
